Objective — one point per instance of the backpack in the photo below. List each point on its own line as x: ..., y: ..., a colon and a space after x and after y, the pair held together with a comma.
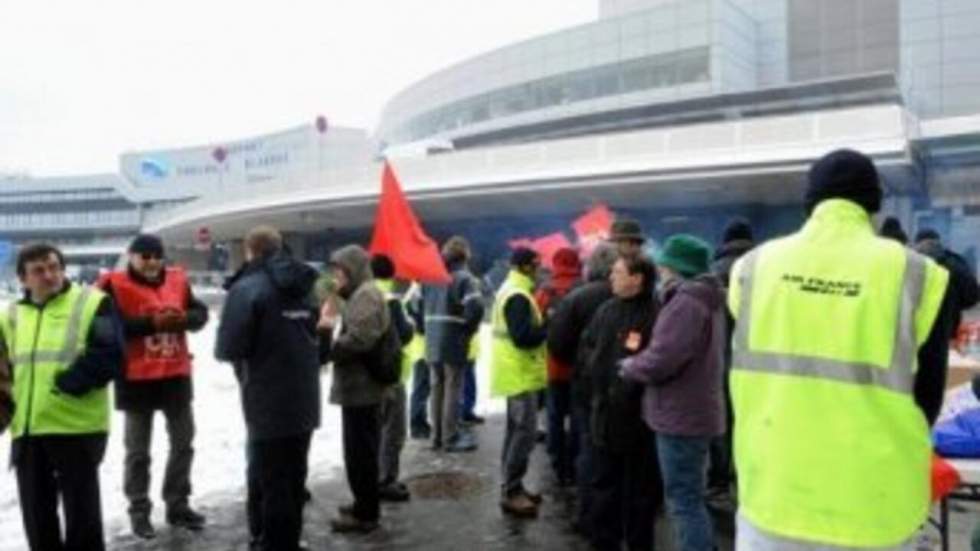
x: 384, y: 361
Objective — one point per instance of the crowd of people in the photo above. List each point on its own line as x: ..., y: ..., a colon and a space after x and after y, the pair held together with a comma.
x: 795, y: 379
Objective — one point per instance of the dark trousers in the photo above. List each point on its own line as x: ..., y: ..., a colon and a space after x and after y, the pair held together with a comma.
x: 420, y: 395
x: 626, y: 492
x: 519, y: 440
x: 177, y: 476
x: 276, y: 483
x: 721, y: 465
x: 562, y: 430
x: 392, y: 412
x: 584, y: 467
x: 467, y: 401
x: 362, y: 438
x: 721, y: 472
x: 65, y: 468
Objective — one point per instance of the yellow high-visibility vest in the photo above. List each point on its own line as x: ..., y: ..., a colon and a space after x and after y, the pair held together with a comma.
x: 830, y: 446
x: 43, y: 342
x: 515, y: 370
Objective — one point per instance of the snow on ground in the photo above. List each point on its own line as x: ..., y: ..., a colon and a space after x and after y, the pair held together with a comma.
x: 219, y: 464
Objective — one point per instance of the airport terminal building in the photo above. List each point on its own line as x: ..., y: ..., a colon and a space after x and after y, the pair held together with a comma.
x: 681, y: 113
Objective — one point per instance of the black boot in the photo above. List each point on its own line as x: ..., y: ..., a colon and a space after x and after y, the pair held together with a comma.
x: 141, y: 526
x: 185, y: 517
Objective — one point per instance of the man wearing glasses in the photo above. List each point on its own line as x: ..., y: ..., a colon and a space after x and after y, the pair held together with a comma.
x: 157, y: 310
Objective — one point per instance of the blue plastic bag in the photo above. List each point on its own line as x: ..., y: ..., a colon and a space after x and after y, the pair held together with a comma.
x: 959, y: 436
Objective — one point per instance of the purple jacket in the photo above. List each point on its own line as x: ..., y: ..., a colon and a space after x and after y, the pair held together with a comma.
x: 683, y: 364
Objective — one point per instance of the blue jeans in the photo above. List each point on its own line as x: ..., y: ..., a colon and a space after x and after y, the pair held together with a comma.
x: 682, y: 464
x: 468, y: 400
x: 419, y: 417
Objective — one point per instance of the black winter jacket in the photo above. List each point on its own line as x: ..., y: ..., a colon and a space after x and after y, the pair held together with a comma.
x: 962, y: 290
x: 268, y: 333
x: 725, y: 258
x: 566, y: 327
x: 621, y: 328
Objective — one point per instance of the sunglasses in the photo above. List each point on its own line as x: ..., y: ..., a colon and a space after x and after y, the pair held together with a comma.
x: 151, y: 256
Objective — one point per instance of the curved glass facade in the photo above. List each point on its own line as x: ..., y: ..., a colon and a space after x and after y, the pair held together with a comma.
x: 667, y: 70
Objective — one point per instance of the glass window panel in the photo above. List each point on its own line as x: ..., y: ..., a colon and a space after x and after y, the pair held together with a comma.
x: 804, y: 44
x: 880, y: 59
x: 880, y: 34
x: 840, y: 14
x: 840, y: 64
x: 607, y: 83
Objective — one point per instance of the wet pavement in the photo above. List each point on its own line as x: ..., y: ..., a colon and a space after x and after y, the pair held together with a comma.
x: 454, y: 507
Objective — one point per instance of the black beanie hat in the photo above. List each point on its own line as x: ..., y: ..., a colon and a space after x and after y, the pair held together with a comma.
x: 382, y: 267
x: 844, y: 174
x: 892, y: 229
x: 737, y: 229
x: 146, y: 243
x: 522, y: 256
x: 927, y: 234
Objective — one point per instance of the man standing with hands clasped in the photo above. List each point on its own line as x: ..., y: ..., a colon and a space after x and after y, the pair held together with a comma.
x: 157, y: 309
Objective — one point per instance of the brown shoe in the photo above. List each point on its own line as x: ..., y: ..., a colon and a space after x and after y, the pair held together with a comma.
x: 349, y: 523
x: 519, y: 505
x: 535, y: 498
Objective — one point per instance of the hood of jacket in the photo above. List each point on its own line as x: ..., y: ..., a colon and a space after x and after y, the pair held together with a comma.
x: 292, y: 277
x: 356, y: 263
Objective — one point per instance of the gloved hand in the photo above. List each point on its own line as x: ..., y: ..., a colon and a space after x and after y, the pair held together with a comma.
x: 170, y: 320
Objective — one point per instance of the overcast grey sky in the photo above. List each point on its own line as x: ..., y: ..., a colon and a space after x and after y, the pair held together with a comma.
x: 82, y: 81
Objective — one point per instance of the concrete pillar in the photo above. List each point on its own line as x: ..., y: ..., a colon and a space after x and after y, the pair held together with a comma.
x: 236, y: 253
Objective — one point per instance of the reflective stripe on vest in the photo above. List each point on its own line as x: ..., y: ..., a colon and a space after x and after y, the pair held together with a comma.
x: 514, y: 370
x: 414, y: 348
x: 829, y: 444
x: 69, y: 350
x: 898, y: 377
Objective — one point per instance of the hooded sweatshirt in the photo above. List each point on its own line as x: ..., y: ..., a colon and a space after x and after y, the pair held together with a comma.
x: 682, y: 364
x: 268, y: 333
x: 364, y: 318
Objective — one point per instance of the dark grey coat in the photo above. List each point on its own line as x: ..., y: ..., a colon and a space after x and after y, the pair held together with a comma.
x: 364, y: 319
x: 268, y: 333
x: 452, y: 315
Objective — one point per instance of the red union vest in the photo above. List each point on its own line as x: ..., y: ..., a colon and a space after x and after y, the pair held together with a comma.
x: 161, y: 355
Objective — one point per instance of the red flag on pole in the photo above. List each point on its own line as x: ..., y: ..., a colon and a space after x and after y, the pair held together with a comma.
x: 593, y: 227
x: 398, y: 234
x: 595, y: 223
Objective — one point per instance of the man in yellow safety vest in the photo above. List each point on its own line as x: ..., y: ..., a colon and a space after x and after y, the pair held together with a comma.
x: 64, y: 344
x: 518, y: 372
x: 834, y: 380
